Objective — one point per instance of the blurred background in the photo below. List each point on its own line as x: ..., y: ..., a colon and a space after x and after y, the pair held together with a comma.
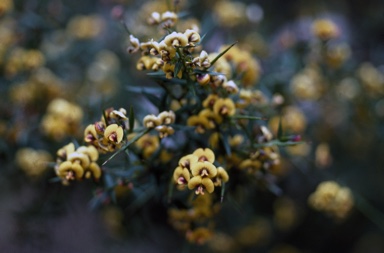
x: 330, y: 73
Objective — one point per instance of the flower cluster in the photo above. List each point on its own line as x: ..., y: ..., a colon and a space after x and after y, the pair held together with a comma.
x: 76, y: 164
x: 212, y: 114
x: 332, y: 199
x: 62, y: 119
x: 161, y: 123
x: 107, y: 134
x: 198, y: 172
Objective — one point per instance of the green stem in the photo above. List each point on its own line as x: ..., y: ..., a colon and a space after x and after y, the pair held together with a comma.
x: 247, y: 117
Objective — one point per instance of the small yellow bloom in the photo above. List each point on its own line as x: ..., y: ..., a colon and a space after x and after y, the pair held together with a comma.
x: 224, y: 107
x: 91, y: 151
x: 135, y: 44
x: 167, y: 52
x: 146, y: 62
x: 231, y: 87
x: 211, y: 116
x: 90, y: 134
x: 325, y: 29
x: 93, y: 170
x: 169, y: 70
x: 187, y: 161
x: 181, y: 176
x: 164, y: 131
x: 204, y: 155
x: 176, y: 39
x: 151, y: 121
x: 203, y: 79
x: 114, y: 134
x: 201, y: 123
x: 204, y: 169
x: 148, y: 144
x: 169, y: 18
x: 65, y: 151
x: 210, y: 100
x: 154, y: 19
x: 193, y: 37
x: 80, y: 158
x: 167, y: 117
x: 250, y: 166
x: 201, y: 184
x: 221, y: 177
x: 70, y: 171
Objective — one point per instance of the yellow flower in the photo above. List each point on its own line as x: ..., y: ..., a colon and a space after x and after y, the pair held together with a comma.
x: 201, y: 184
x: 164, y: 131
x: 167, y: 52
x: 204, y: 169
x: 224, y: 107
x: 251, y: 166
x: 169, y: 18
x: 151, y: 47
x: 148, y: 144
x: 169, y: 70
x: 181, y: 176
x: 236, y: 140
x: 187, y: 161
x: 146, y: 62
x: 212, y: 117
x: 90, y: 134
x: 201, y: 123
x: 204, y: 155
x: 154, y: 19
x: 114, y: 134
x: 325, y: 29
x: 93, y: 170
x: 176, y: 39
x: 218, y: 80
x: 203, y: 79
x: 193, y: 37
x: 167, y: 117
x: 221, y: 177
x: 135, y: 44
x: 70, y: 171
x: 79, y: 158
x: 91, y: 151
x: 210, y: 100
x: 214, y: 140
x: 65, y: 151
x: 151, y: 121
x: 231, y: 87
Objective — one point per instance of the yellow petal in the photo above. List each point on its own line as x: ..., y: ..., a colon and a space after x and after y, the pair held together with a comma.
x: 95, y: 169
x: 82, y: 158
x: 208, y: 184
x: 194, y: 182
x: 187, y: 161
x: 91, y: 151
